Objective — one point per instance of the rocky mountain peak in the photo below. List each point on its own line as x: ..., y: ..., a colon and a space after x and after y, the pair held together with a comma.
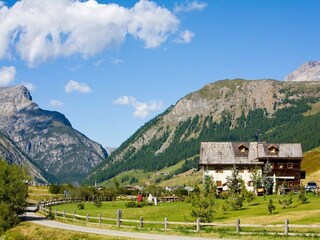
x: 309, y: 71
x: 15, y: 98
x: 46, y: 138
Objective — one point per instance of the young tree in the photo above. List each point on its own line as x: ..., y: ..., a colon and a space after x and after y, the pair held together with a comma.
x: 256, y: 177
x: 302, y: 197
x: 234, y: 182
x: 97, y: 201
x: 235, y: 185
x: 271, y: 206
x: 13, y: 194
x: 266, y: 179
x: 209, y: 187
x: 203, y: 208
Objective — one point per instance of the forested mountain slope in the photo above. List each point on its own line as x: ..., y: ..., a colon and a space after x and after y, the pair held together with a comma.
x: 227, y: 110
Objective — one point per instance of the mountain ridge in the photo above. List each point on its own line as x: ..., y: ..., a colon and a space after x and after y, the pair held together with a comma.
x: 226, y: 110
x: 47, y: 137
x: 309, y: 71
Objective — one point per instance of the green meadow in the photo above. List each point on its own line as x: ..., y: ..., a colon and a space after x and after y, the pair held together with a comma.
x: 255, y: 212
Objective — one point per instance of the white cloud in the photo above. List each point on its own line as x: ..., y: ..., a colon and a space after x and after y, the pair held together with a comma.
x: 37, y: 30
x: 185, y: 37
x: 151, y: 23
x: 98, y: 63
x: 142, y: 109
x: 7, y: 75
x: 116, y: 61
x: 73, y: 86
x: 31, y: 87
x: 190, y: 6
x: 56, y: 103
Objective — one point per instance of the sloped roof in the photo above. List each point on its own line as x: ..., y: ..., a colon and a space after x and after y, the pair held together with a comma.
x: 230, y: 152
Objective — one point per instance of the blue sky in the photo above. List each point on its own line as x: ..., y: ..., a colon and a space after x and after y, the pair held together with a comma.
x: 110, y: 66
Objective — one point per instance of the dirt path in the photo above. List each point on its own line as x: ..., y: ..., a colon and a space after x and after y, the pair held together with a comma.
x: 32, y: 217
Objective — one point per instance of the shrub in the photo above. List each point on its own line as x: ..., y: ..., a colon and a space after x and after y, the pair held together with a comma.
x: 203, y: 208
x: 249, y: 196
x: 97, y: 202
x: 224, y: 195
x: 286, y: 202
x: 133, y: 204
x: 50, y: 214
x: 188, y: 200
x: 235, y: 202
x: 271, y: 206
x: 80, y: 205
x: 302, y: 197
x: 54, y: 188
x: 225, y: 207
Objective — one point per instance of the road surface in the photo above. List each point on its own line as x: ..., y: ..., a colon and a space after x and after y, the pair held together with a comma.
x: 32, y: 217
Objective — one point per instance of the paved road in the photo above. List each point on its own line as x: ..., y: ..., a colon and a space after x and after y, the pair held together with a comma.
x: 32, y: 217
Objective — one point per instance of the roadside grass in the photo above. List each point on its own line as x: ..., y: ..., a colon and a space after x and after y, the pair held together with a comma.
x: 40, y: 193
x: 30, y: 231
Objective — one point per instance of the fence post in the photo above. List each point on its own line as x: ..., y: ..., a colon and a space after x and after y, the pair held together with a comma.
x: 55, y: 213
x: 198, y: 224
x: 141, y: 222
x: 64, y: 213
x: 119, y: 216
x: 165, y: 224
x: 99, y: 218
x: 286, y: 227
x: 238, y: 226
x: 74, y: 215
x: 87, y: 217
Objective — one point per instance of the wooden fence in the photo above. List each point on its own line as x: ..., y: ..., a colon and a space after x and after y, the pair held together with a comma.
x: 238, y: 227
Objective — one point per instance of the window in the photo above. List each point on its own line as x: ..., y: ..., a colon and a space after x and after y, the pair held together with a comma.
x: 273, y: 149
x: 280, y: 165
x: 290, y: 165
x: 290, y: 184
x: 219, y: 170
x: 250, y: 184
x: 243, y: 149
x: 241, y: 170
x: 219, y: 183
x: 272, y: 165
x: 250, y: 169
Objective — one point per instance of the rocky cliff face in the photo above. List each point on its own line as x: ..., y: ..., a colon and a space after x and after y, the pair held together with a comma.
x: 47, y: 137
x: 309, y: 71
x: 10, y: 152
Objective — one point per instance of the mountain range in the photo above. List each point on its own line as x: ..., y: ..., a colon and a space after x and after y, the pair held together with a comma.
x: 226, y: 110
x: 44, y: 141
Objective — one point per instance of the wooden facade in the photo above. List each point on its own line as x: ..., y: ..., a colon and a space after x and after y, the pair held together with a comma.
x: 218, y: 158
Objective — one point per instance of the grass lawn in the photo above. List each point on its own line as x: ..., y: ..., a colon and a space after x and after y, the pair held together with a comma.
x: 254, y: 213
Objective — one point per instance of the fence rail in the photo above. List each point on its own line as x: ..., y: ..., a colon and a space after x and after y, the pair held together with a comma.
x: 283, y: 229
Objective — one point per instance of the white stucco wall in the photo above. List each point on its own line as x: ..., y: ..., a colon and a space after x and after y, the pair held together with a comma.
x: 227, y: 171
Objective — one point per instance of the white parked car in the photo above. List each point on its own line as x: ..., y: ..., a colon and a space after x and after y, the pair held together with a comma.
x: 311, y: 186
